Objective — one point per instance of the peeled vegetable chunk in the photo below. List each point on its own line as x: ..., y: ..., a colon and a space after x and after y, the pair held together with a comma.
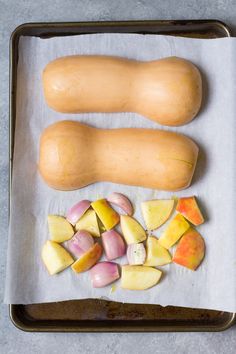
x: 73, y: 155
x: 190, y: 250
x: 60, y: 229
x: 174, y: 231
x: 156, y: 212
x: 89, y: 222
x: 132, y: 231
x: 88, y: 259
x: 75, y: 213
x: 121, y: 201
x: 55, y: 257
x: 108, y: 216
x: 168, y: 90
x: 157, y: 255
x: 80, y: 243
x: 104, y: 273
x: 189, y: 208
x: 139, y: 277
x: 136, y: 254
x: 113, y: 244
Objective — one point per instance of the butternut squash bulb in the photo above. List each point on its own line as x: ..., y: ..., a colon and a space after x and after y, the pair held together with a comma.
x: 73, y: 155
x: 168, y: 91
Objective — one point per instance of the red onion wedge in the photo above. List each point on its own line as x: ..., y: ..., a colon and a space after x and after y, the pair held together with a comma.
x: 80, y: 243
x: 121, y: 201
x: 136, y: 254
x: 78, y: 210
x: 113, y: 244
x: 104, y: 273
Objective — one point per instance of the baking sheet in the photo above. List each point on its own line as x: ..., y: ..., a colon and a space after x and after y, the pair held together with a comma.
x: 213, y: 285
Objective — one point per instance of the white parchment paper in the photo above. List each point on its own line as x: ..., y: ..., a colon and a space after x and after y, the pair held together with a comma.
x: 213, y: 285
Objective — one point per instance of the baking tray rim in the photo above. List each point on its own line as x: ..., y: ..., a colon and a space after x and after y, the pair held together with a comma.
x: 17, y: 31
x: 110, y: 327
x: 15, y: 36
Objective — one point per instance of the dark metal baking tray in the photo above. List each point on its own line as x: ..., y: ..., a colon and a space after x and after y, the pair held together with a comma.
x: 93, y: 315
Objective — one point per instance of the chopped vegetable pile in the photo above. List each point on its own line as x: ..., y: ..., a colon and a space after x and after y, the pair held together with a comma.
x: 79, y: 240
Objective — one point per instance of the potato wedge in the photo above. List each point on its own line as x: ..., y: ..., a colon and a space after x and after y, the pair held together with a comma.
x: 156, y: 212
x: 174, y: 231
x: 60, y: 229
x: 157, y: 255
x: 55, y: 257
x: 88, y: 259
x: 108, y: 216
x: 89, y: 222
x: 139, y: 277
x: 132, y: 230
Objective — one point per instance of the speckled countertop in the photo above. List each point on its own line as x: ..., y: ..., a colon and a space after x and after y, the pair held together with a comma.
x: 13, y: 13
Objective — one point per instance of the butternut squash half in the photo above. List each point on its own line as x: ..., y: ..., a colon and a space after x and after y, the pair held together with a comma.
x: 73, y: 155
x: 168, y: 91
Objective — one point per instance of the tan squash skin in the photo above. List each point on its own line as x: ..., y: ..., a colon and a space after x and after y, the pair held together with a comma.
x: 168, y: 91
x: 73, y: 155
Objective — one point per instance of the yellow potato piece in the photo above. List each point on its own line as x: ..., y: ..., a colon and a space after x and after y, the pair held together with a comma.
x: 108, y: 216
x: 133, y: 232
x: 89, y: 222
x: 156, y: 212
x: 88, y: 259
x: 157, y: 255
x: 60, y: 229
x: 55, y: 257
x: 174, y: 231
x: 139, y: 277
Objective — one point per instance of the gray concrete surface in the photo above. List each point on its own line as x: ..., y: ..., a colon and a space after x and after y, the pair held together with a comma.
x: 13, y: 13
